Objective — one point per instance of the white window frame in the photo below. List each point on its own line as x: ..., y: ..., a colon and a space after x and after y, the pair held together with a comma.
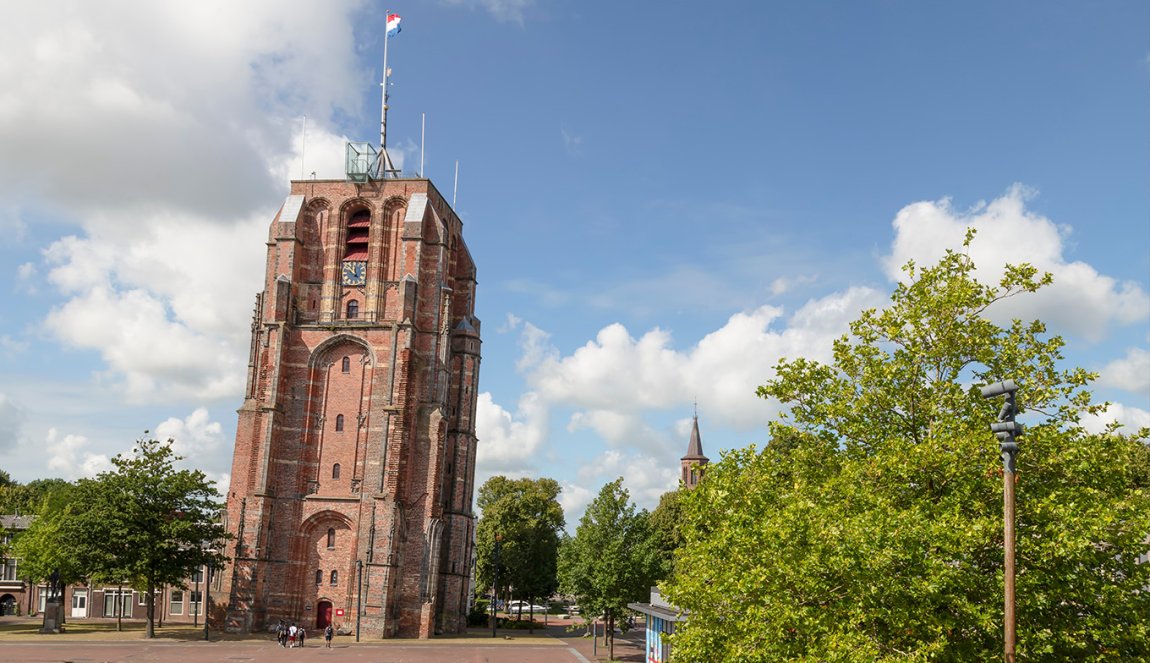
x: 125, y: 599
x: 9, y: 569
x: 173, y: 604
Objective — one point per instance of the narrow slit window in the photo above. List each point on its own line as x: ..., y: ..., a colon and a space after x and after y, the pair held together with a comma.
x: 334, y: 578
x: 338, y: 423
x: 331, y: 538
x: 318, y: 576
x: 345, y: 367
x: 335, y: 471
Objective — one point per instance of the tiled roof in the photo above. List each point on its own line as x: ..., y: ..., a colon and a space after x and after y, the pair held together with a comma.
x: 11, y: 522
x: 695, y: 447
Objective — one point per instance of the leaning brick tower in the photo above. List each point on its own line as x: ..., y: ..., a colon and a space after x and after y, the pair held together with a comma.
x: 352, y: 479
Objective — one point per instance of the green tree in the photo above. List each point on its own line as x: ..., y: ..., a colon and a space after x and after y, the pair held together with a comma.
x: 144, y: 523
x: 611, y: 561
x: 39, y: 547
x: 870, y: 528
x: 666, y: 531
x: 526, y: 515
x: 24, y: 499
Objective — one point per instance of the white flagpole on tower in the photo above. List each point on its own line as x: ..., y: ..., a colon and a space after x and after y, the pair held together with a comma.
x: 384, y: 160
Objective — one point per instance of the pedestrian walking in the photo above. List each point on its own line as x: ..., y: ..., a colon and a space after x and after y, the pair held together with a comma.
x: 327, y: 634
x: 281, y: 633
x: 291, y: 636
x: 300, y: 634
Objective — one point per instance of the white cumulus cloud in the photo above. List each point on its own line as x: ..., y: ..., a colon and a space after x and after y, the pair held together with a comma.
x: 625, y: 376
x: 153, y: 91
x: 1131, y: 373
x: 1130, y: 418
x: 574, y: 500
x: 67, y: 454
x: 507, y: 443
x: 1081, y: 299
x: 186, y: 122
x: 194, y: 437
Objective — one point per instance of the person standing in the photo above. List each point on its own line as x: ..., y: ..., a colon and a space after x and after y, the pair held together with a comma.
x: 327, y: 634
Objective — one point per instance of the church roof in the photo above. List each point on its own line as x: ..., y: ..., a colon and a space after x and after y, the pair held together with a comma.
x: 695, y: 447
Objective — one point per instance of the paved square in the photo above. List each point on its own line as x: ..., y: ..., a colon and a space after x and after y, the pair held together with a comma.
x: 181, y: 645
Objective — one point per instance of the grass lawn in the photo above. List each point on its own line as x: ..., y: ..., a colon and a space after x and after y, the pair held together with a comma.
x: 28, y: 629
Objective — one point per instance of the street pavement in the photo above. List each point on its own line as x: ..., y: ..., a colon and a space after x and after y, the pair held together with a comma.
x: 551, y: 645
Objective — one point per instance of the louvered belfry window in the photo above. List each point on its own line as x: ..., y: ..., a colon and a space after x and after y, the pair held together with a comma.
x: 358, y: 228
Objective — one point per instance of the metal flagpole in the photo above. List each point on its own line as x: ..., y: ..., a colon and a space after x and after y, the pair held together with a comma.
x: 384, y: 161
x: 383, y: 98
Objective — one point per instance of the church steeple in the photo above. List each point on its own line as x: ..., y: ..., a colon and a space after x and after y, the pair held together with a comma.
x: 694, y: 463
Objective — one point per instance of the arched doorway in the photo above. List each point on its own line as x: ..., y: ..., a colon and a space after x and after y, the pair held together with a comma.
x: 323, y: 614
x: 7, y: 605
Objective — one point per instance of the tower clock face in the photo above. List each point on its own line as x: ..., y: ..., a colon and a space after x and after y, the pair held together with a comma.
x: 354, y: 272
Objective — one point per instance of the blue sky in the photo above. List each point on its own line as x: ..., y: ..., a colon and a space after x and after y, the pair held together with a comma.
x: 662, y: 200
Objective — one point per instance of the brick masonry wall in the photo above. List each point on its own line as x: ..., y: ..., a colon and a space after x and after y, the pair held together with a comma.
x: 398, y: 419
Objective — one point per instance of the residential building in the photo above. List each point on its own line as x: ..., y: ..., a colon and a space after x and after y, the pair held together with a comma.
x: 20, y: 596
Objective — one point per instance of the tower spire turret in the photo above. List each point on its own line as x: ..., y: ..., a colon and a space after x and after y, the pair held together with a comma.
x: 694, y: 462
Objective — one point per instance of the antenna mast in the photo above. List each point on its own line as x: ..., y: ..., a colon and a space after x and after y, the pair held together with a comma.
x: 302, y: 147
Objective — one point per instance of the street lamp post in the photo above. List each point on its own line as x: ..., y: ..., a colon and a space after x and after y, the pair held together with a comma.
x: 207, y: 601
x: 495, y: 589
x: 1006, y: 430
x: 196, y: 605
x: 358, y: 595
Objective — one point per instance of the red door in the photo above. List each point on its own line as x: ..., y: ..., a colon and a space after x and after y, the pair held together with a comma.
x: 323, y: 614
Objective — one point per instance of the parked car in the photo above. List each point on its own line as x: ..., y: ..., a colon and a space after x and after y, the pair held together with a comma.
x: 523, y: 607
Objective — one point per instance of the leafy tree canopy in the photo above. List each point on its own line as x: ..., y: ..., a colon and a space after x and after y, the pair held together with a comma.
x: 25, y: 499
x: 611, y: 561
x: 144, y: 523
x: 526, y: 515
x: 38, y: 547
x: 870, y: 528
x: 666, y: 531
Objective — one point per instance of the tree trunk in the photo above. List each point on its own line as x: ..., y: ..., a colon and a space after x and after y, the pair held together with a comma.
x: 610, y: 635
x: 150, y: 607
x: 119, y: 610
